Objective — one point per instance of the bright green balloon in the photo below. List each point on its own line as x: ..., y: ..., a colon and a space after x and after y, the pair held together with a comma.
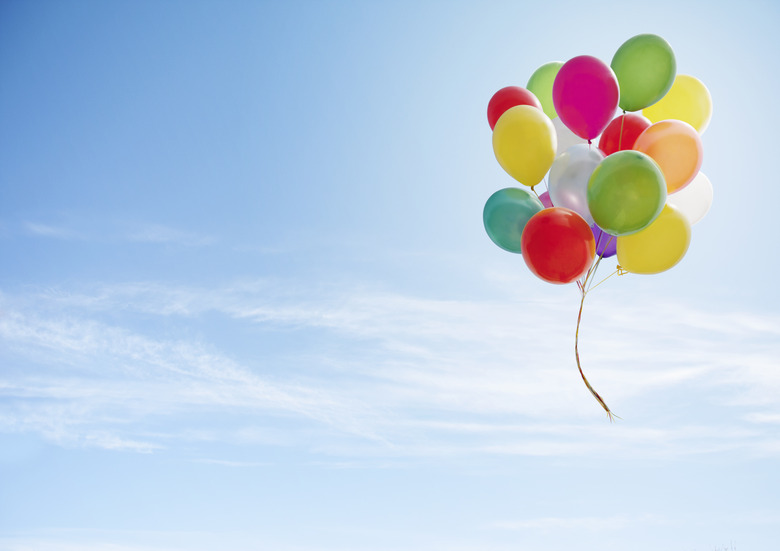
x: 505, y: 215
x: 645, y: 69
x: 541, y: 84
x: 626, y: 192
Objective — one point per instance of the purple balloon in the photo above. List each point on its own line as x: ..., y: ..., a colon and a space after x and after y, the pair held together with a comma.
x: 606, y: 244
x: 545, y: 199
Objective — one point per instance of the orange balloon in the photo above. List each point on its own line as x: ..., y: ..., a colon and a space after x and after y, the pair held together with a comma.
x: 676, y: 147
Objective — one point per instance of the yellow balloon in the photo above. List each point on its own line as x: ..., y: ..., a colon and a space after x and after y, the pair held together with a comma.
x: 658, y: 247
x: 687, y: 100
x: 524, y: 142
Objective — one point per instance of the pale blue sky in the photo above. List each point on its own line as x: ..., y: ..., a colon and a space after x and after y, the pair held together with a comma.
x: 247, y: 302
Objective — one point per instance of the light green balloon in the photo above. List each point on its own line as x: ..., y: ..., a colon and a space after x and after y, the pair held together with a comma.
x: 626, y: 192
x: 541, y: 85
x: 505, y: 215
x: 645, y: 68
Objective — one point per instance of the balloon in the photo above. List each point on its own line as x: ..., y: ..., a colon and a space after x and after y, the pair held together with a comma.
x: 558, y: 245
x: 524, y: 143
x: 694, y: 200
x: 569, y: 175
x: 676, y: 147
x: 626, y: 192
x: 566, y: 138
x: 509, y: 97
x: 645, y: 68
x: 622, y: 132
x: 585, y: 95
x: 505, y: 215
x: 541, y: 85
x: 606, y: 244
x: 658, y: 247
x: 545, y: 199
x: 688, y: 100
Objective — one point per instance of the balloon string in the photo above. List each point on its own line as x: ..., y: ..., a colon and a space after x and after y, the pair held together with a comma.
x: 620, y: 139
x: 598, y: 261
x: 584, y: 287
x: 606, y: 278
x: 595, y: 394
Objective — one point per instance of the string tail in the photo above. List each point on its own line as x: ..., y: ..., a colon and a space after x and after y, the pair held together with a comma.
x: 595, y: 394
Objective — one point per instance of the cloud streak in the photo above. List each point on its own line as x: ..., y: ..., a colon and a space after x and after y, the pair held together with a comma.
x: 117, y: 232
x: 371, y: 373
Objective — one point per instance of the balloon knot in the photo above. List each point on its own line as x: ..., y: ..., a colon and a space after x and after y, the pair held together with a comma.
x: 621, y: 271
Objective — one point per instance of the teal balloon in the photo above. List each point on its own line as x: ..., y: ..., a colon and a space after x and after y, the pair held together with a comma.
x: 541, y: 85
x: 645, y: 68
x: 505, y: 215
x: 626, y: 192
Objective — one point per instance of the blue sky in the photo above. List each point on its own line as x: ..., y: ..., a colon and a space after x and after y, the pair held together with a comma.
x: 247, y: 302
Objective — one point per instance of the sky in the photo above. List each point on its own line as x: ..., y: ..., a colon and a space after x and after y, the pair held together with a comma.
x: 247, y: 301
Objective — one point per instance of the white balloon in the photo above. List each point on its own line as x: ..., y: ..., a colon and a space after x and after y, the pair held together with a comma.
x: 566, y: 138
x: 569, y: 175
x: 694, y: 200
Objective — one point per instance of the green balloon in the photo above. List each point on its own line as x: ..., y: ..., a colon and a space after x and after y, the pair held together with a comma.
x: 505, y: 215
x: 626, y: 192
x: 541, y: 85
x: 645, y: 69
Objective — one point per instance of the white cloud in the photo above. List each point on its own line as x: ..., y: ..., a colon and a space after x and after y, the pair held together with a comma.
x: 233, y: 464
x: 581, y: 524
x: 392, y: 375
x: 54, y: 232
x: 108, y: 540
x: 158, y: 233
x: 763, y: 418
x: 117, y: 231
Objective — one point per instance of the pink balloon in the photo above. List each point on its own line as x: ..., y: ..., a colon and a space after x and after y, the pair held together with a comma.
x: 545, y: 199
x: 586, y: 95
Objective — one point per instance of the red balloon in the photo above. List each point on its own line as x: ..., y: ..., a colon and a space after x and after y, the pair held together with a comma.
x: 585, y: 95
x: 622, y: 132
x: 509, y: 97
x: 558, y: 245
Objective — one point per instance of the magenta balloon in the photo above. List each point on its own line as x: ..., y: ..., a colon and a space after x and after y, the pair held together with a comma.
x: 606, y: 244
x: 586, y: 95
x: 545, y: 199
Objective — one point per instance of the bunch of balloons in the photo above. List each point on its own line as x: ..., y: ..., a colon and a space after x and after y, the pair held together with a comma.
x: 620, y: 149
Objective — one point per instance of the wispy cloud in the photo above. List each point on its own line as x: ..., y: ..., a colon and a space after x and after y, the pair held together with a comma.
x: 78, y: 544
x: 158, y: 233
x: 600, y: 524
x: 114, y: 540
x: 233, y: 464
x: 112, y: 231
x: 52, y: 231
x: 370, y: 373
